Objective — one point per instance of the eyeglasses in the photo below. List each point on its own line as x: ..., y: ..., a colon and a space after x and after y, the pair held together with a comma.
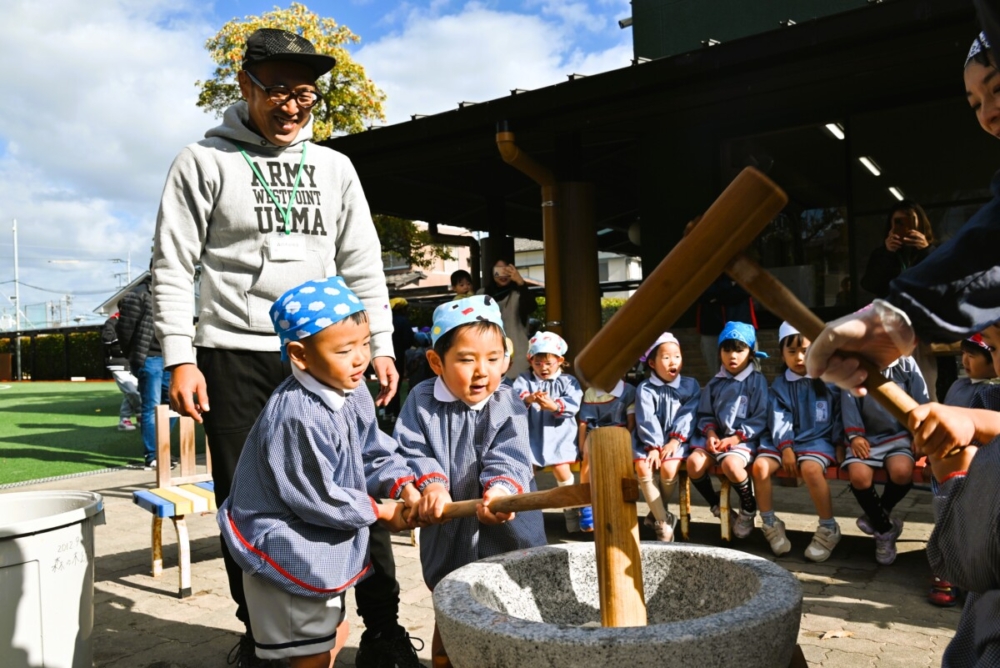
x: 279, y: 95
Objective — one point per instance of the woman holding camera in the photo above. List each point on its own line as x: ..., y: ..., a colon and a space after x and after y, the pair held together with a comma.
x: 507, y: 287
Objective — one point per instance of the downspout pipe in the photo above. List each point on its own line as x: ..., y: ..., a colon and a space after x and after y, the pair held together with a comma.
x: 475, y: 254
x: 544, y: 177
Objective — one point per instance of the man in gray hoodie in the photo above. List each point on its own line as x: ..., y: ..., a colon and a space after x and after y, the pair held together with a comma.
x: 261, y: 209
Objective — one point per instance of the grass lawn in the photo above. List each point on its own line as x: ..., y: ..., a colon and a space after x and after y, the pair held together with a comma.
x: 58, y: 428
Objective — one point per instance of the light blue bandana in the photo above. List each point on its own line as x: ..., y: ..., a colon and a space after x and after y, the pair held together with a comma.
x: 743, y: 332
x: 450, y: 315
x: 311, y: 308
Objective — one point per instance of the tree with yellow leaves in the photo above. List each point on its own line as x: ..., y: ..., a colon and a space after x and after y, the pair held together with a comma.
x: 349, y: 97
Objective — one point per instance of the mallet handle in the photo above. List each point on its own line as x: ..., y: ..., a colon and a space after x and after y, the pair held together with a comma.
x: 778, y: 299
x: 570, y: 496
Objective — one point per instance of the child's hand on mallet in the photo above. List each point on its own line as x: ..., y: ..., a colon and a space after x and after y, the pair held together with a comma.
x: 390, y: 515
x: 860, y: 447
x: 712, y: 441
x: 485, y: 515
x: 432, y: 502
x: 790, y: 462
x: 410, y: 497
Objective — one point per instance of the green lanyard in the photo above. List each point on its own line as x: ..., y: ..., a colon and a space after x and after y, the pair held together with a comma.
x: 295, y: 187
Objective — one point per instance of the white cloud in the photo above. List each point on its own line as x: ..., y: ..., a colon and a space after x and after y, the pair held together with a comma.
x: 477, y: 54
x: 98, y: 99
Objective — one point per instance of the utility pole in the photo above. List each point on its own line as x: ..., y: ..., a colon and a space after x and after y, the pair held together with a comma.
x: 17, y: 310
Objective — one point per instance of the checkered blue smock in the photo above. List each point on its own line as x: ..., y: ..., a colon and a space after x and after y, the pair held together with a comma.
x: 863, y: 416
x: 735, y: 405
x: 664, y: 411
x: 298, y: 513
x: 553, y: 436
x: 469, y: 451
x: 805, y: 416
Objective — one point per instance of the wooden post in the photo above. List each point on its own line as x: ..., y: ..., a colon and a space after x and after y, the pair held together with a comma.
x: 616, y: 529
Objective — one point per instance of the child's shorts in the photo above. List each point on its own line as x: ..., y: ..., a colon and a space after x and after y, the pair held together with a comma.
x: 821, y: 452
x: 286, y: 625
x: 897, y: 446
x: 745, y: 451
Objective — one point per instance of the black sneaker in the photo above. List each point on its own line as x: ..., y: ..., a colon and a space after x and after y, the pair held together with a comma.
x: 390, y: 650
x: 244, y: 655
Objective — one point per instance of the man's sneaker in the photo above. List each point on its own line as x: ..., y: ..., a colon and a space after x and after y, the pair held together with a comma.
x: 587, y: 519
x: 743, y: 526
x: 151, y: 465
x: 865, y: 525
x: 885, y: 543
x: 244, y: 655
x: 822, y: 544
x: 126, y: 425
x: 572, y: 516
x: 389, y: 650
x: 776, y: 537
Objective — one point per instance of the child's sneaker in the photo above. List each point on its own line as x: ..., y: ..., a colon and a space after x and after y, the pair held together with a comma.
x: 822, y: 544
x: 776, y: 537
x: 943, y: 594
x: 126, y: 425
x: 716, y: 511
x: 743, y: 526
x: 587, y: 519
x: 885, y: 543
x: 572, y: 516
x: 865, y: 525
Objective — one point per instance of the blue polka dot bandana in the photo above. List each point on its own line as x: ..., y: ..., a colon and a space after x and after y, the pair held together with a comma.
x: 741, y: 331
x: 311, y: 308
x: 450, y: 315
x: 547, y: 342
x: 979, y: 44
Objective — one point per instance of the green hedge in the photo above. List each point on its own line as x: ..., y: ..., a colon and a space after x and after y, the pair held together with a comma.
x: 48, y: 360
x: 609, y: 306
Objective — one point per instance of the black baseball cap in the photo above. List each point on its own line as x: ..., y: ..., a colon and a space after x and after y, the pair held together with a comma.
x: 267, y: 44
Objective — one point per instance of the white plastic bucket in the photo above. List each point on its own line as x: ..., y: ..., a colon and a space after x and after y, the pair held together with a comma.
x: 47, y: 578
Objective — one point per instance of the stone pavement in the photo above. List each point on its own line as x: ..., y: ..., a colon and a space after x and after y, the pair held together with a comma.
x: 881, y: 612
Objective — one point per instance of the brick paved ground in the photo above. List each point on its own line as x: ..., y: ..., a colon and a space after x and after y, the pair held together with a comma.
x: 141, y: 624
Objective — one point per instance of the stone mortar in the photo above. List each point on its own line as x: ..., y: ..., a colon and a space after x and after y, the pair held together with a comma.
x: 707, y: 607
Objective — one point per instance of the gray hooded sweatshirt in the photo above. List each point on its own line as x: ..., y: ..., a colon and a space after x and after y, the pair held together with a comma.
x: 215, y: 212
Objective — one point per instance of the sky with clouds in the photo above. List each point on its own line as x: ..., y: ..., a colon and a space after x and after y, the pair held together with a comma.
x: 99, y: 97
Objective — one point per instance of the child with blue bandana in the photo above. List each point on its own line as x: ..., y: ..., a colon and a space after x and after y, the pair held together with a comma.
x: 298, y: 516
x: 465, y: 436
x: 732, y: 418
x: 553, y: 399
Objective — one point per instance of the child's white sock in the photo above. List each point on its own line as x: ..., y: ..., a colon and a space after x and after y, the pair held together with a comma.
x: 667, y: 486
x: 564, y: 483
x: 652, y: 493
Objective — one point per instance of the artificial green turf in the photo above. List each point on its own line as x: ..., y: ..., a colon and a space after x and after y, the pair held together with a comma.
x: 58, y: 428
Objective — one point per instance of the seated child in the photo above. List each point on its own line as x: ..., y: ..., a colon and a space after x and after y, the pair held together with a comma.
x: 461, y: 284
x: 297, y: 518
x: 602, y: 409
x: 978, y: 364
x: 465, y: 436
x: 804, y: 424
x: 666, y: 407
x: 876, y: 440
x: 552, y: 398
x: 732, y: 416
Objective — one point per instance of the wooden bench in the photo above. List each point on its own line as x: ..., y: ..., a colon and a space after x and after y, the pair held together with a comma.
x: 921, y: 473
x: 177, y: 496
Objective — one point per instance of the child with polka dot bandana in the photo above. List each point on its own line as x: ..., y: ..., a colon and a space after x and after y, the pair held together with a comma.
x: 298, y: 516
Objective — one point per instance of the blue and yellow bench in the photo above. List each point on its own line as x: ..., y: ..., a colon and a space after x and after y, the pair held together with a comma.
x: 175, y: 497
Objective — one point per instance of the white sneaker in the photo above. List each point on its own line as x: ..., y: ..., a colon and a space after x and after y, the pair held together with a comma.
x: 126, y: 425
x: 823, y: 542
x: 572, y: 516
x: 776, y: 538
x: 743, y: 526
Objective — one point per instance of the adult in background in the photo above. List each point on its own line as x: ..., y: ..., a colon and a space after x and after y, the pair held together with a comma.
x: 402, y: 340
x: 722, y: 302
x: 139, y: 342
x: 262, y: 209
x: 117, y: 365
x: 506, y: 285
x: 909, y: 239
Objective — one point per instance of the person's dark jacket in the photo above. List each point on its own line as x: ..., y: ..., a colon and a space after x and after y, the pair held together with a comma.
x: 113, y: 355
x: 724, y: 301
x: 135, y: 326
x: 884, y: 266
x: 402, y: 339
